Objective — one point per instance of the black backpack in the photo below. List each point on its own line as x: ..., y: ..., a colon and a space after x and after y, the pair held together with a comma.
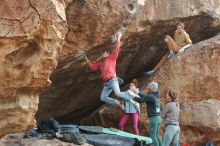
x: 48, y: 126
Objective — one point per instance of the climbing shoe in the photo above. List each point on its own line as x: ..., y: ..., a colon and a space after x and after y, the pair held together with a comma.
x: 170, y: 55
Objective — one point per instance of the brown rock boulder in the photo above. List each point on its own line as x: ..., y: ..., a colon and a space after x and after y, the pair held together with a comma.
x: 200, y: 122
x: 31, y: 38
x: 75, y: 90
x: 195, y: 75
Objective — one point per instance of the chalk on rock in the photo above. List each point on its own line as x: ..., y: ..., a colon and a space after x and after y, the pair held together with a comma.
x: 80, y: 55
x: 115, y: 36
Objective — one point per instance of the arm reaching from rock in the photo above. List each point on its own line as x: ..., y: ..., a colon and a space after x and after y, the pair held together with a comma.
x: 115, y: 52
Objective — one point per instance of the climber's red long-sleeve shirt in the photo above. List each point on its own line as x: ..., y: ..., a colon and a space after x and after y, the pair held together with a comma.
x: 107, y: 66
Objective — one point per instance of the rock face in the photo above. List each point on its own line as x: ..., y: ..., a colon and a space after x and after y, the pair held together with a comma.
x: 195, y: 75
x: 203, y: 124
x: 31, y: 37
x: 91, y: 25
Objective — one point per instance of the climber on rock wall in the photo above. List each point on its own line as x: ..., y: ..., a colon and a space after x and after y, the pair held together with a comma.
x: 107, y: 67
x: 181, y: 41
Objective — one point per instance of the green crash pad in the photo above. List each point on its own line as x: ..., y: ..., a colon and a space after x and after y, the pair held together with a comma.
x: 126, y: 134
x: 113, y: 131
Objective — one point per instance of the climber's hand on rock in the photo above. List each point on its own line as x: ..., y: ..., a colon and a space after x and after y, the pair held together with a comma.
x: 119, y: 35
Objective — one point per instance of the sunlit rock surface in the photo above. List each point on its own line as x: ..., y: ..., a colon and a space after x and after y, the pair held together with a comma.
x: 32, y: 34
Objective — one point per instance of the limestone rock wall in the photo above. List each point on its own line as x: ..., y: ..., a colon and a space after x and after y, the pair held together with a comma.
x: 32, y: 34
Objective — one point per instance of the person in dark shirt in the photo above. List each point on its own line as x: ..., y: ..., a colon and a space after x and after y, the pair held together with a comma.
x: 152, y: 99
